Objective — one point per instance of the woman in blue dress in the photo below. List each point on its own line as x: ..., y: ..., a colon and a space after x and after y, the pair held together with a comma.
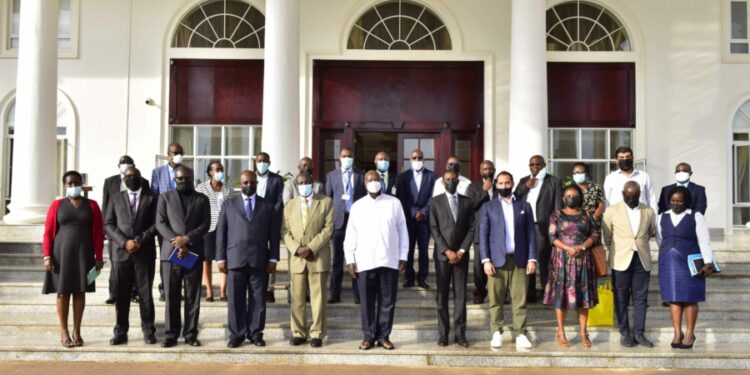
x: 681, y: 233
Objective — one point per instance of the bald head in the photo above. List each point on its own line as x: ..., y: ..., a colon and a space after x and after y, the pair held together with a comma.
x: 631, y: 194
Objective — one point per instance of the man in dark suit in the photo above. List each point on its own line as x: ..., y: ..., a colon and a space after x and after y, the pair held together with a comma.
x: 481, y: 192
x: 452, y: 227
x: 682, y: 173
x: 388, y: 179
x: 344, y: 185
x: 130, y: 223
x: 543, y: 192
x: 113, y: 185
x: 415, y: 193
x: 271, y: 189
x: 507, y: 247
x: 183, y: 217
x: 247, y: 249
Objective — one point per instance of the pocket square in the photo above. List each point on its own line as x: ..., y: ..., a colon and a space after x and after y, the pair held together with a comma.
x: 522, y: 212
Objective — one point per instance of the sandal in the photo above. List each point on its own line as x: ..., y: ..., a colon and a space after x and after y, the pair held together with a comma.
x: 561, y: 340
x: 66, y: 341
x: 77, y: 339
x: 585, y: 340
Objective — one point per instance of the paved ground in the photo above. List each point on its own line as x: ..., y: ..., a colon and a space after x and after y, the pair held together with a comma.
x: 87, y: 368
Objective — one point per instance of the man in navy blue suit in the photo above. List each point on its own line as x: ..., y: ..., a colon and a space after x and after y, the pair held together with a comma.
x: 415, y: 192
x: 507, y: 246
x: 344, y: 186
x: 270, y: 188
x: 682, y: 174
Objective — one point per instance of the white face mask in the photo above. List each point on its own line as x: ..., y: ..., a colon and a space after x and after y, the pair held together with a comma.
x: 542, y: 173
x: 417, y: 165
x: 347, y: 163
x: 682, y: 177
x: 73, y: 191
x: 305, y: 190
x: 219, y: 176
x: 177, y: 159
x: 579, y: 178
x: 124, y: 167
x: 373, y: 187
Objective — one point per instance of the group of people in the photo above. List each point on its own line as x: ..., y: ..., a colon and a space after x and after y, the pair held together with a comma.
x: 369, y: 226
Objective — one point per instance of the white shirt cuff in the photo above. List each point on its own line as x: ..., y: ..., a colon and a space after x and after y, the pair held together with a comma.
x: 532, y: 260
x: 273, y: 260
x: 461, y: 251
x: 220, y: 261
x: 485, y: 260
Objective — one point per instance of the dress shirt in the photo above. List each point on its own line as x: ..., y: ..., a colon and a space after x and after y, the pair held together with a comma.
x: 137, y: 198
x: 510, y: 225
x: 451, y: 196
x: 616, y: 180
x: 262, y: 184
x: 701, y: 231
x: 351, y: 177
x: 463, y: 185
x: 418, y: 178
x: 533, y: 195
x: 376, y: 234
x: 383, y: 179
x: 172, y: 184
x: 634, y: 217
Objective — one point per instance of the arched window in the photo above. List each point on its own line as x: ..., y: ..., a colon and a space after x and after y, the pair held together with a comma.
x: 584, y: 26
x: 399, y: 25
x: 741, y: 165
x: 221, y: 24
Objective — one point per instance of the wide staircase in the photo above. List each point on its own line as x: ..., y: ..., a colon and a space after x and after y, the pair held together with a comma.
x: 30, y: 329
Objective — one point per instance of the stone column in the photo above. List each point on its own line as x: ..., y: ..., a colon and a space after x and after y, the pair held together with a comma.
x: 527, y: 133
x: 281, y: 82
x: 35, y: 149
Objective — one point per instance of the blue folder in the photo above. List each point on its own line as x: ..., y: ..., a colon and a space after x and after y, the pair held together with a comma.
x: 695, y: 263
x: 188, y: 262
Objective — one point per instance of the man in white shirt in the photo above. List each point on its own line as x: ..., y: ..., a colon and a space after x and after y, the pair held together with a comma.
x: 453, y: 165
x: 627, y: 226
x: 615, y: 181
x: 376, y: 247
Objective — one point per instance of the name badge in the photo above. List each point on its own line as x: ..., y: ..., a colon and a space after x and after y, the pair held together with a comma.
x: 344, y: 197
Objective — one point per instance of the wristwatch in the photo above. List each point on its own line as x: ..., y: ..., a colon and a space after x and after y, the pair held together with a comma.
x: 583, y: 248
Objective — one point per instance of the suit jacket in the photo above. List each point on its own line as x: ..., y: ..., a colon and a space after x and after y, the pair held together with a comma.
x: 172, y: 221
x: 112, y: 187
x: 619, y: 238
x: 549, y: 201
x: 316, y: 234
x: 479, y: 197
x: 697, y: 192
x: 290, y: 190
x: 413, y: 200
x: 274, y: 190
x: 492, y: 233
x: 335, y: 189
x: 160, y: 181
x: 450, y: 234
x: 120, y: 228
x: 252, y: 243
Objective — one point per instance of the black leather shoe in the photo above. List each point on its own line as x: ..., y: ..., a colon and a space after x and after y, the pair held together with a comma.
x: 461, y: 341
x: 531, y: 297
x: 297, y: 341
x: 643, y: 341
x: 478, y: 300
x: 409, y: 284
x: 168, y: 343
x: 423, y: 285
x: 234, y: 343
x: 270, y: 298
x: 193, y: 342
x: 334, y: 299
x: 150, y: 339
x: 110, y: 300
x: 627, y: 340
x: 665, y: 303
x: 442, y: 342
x: 118, y: 340
x: 134, y: 298
x: 316, y: 343
x: 257, y: 341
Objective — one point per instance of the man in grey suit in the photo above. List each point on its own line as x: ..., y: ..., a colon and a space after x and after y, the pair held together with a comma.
x: 543, y: 192
x: 129, y: 221
x: 305, y: 166
x: 452, y: 228
x: 183, y: 217
x: 247, y: 249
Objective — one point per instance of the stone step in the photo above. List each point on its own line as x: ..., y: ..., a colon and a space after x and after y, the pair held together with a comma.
x: 408, y: 353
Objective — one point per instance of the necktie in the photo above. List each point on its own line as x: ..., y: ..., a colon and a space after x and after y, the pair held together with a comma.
x: 133, y: 205
x: 349, y: 191
x: 304, y: 213
x: 384, y: 184
x: 454, y: 207
x: 248, y: 209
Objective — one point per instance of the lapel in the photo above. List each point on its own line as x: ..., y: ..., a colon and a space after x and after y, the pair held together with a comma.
x: 256, y: 207
x: 626, y: 216
x: 239, y: 203
x: 642, y: 227
x: 126, y: 198
x: 450, y: 213
x: 413, y: 184
x: 310, y: 212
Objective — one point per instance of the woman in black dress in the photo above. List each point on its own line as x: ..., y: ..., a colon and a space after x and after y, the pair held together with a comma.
x: 72, y: 245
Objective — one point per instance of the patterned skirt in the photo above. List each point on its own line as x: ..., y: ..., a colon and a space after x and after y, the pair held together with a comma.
x: 572, y: 282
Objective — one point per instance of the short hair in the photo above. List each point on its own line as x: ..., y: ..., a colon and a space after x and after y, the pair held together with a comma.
x: 574, y: 187
x: 305, y: 175
x: 263, y: 153
x: 623, y: 150
x: 504, y: 173
x: 71, y: 173
x: 685, y: 194
x: 582, y: 164
x: 210, y: 166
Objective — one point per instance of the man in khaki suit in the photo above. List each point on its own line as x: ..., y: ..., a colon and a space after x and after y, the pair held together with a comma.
x: 627, y: 227
x: 306, y: 231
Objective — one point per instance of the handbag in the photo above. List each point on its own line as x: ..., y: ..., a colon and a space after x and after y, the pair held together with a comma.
x: 603, y: 314
x: 600, y: 260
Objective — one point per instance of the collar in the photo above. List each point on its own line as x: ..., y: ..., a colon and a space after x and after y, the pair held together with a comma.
x: 347, y: 170
x: 137, y: 192
x: 635, y: 172
x: 449, y: 195
x: 637, y: 208
x: 511, y: 201
x: 418, y: 171
x: 685, y: 184
x: 245, y: 197
x: 262, y: 177
x: 542, y: 174
x: 376, y: 198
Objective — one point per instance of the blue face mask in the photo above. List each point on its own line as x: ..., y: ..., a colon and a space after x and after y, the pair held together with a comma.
x: 383, y: 165
x: 263, y: 167
x: 219, y: 176
x: 579, y: 178
x: 347, y: 163
x: 73, y: 191
x: 305, y: 190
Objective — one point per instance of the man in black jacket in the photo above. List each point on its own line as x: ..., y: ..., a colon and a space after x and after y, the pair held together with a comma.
x: 481, y: 192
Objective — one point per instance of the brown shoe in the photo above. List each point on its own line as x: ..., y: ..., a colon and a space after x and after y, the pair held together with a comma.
x: 478, y: 300
x: 366, y: 345
x: 387, y: 345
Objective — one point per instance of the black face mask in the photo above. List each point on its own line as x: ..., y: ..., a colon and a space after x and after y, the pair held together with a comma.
x: 184, y: 186
x: 505, y: 193
x: 133, y: 183
x: 632, y: 202
x: 572, y: 202
x: 249, y: 190
x: 625, y: 164
x: 308, y: 171
x: 451, y: 187
x: 453, y: 167
x: 488, y: 176
x: 677, y: 208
